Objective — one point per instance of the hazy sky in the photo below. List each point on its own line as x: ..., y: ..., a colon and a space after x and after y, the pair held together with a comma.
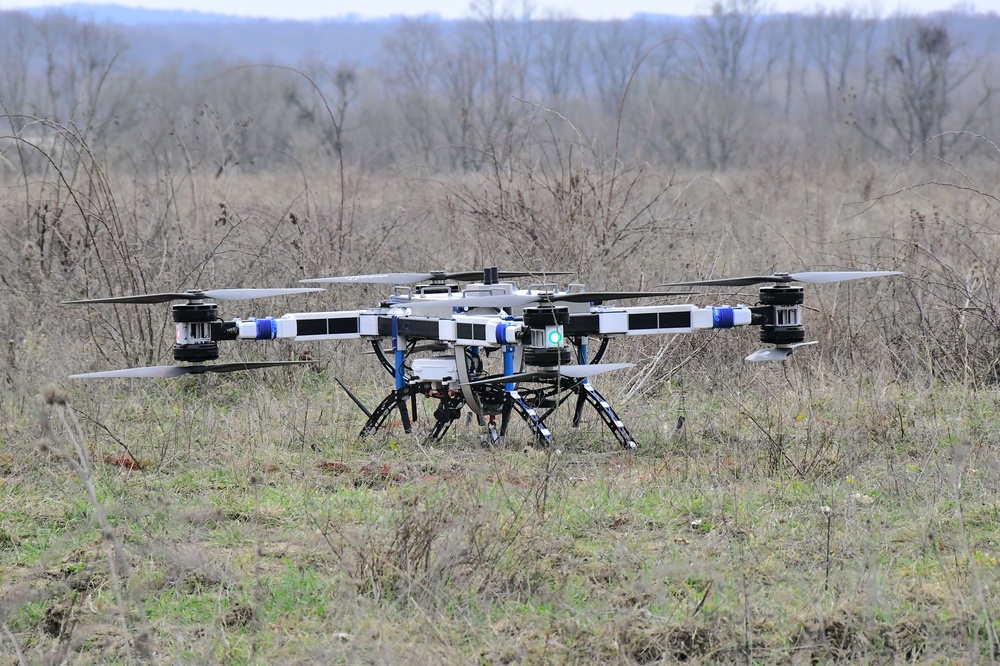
x: 586, y: 9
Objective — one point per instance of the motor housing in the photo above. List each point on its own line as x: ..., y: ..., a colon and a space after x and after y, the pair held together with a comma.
x: 782, y: 307
x: 546, y: 341
x: 194, y: 343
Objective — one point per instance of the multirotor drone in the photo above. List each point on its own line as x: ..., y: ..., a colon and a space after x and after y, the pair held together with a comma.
x: 551, y: 341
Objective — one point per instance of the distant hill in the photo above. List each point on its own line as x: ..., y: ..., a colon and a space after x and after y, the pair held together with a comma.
x: 130, y: 16
x: 135, y: 15
x: 189, y: 38
x: 258, y: 41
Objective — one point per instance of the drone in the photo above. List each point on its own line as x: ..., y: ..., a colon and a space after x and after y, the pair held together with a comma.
x: 431, y: 335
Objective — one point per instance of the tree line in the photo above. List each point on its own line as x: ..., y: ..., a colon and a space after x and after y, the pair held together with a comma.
x: 733, y: 89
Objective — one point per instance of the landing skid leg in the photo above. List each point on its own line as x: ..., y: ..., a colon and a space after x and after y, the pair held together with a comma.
x: 508, y: 405
x: 492, y: 436
x: 397, y: 400
x: 587, y: 393
x: 530, y: 416
x: 448, y: 411
x: 581, y: 402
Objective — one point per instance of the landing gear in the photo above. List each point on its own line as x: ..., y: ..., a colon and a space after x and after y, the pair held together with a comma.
x: 533, y: 401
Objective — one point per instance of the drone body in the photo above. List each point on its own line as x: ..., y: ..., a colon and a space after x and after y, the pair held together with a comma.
x: 551, y: 341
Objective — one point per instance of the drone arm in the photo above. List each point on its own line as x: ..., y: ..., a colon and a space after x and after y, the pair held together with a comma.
x: 342, y: 325
x: 662, y: 319
x: 460, y: 329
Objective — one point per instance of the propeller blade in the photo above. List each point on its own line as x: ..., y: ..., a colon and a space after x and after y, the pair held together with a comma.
x: 239, y: 365
x: 776, y: 353
x: 505, y: 379
x: 353, y: 397
x: 377, y: 278
x: 598, y: 297
x: 430, y: 347
x: 812, y: 277
x: 771, y: 354
x: 138, y: 298
x: 248, y: 294
x: 410, y: 278
x: 194, y: 294
x: 570, y: 371
x: 519, y: 300
x: 590, y: 370
x: 825, y: 277
x: 468, y: 276
x: 157, y: 371
x: 163, y: 371
x: 499, y: 301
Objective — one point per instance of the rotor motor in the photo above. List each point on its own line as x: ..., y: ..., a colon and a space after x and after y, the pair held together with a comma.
x: 545, y: 339
x: 194, y: 343
x: 784, y: 306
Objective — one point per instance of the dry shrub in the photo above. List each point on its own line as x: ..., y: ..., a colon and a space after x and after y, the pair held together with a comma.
x: 430, y: 546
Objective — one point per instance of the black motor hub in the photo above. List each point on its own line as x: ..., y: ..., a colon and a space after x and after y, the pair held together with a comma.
x: 547, y: 358
x: 782, y: 304
x: 540, y: 316
x: 782, y: 294
x: 194, y: 332
x: 545, y: 347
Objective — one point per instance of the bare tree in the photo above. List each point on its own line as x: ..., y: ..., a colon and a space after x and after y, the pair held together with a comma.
x: 726, y: 38
x: 75, y: 59
x: 924, y: 73
x: 18, y: 41
x: 835, y: 42
x: 558, y: 58
x: 338, y: 84
x: 412, y: 57
x: 615, y: 49
x: 731, y: 77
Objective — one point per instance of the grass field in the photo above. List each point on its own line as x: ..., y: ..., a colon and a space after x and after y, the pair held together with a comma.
x: 842, y: 506
x: 209, y: 524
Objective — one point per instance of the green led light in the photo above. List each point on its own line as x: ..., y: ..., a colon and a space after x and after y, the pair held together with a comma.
x: 555, y: 337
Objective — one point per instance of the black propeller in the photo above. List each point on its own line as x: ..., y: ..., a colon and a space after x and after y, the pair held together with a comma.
x: 461, y: 301
x: 410, y: 278
x: 522, y: 299
x: 571, y: 371
x: 812, y: 277
x: 163, y: 371
x: 598, y: 297
x: 198, y: 295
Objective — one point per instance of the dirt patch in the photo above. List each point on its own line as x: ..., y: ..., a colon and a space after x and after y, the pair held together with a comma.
x: 333, y: 467
x: 125, y: 462
x: 84, y: 568
x: 372, y: 475
x: 649, y: 643
x: 239, y: 615
x: 197, y: 580
x: 58, y: 619
x: 908, y: 639
x: 107, y: 639
x: 201, y: 516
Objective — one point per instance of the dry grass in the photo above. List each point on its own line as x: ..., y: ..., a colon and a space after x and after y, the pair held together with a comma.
x: 252, y: 542
x: 841, y: 506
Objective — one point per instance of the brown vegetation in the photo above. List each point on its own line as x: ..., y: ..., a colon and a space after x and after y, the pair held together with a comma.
x: 840, y: 506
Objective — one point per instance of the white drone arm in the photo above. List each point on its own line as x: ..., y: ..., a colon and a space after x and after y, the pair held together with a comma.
x: 471, y: 330
x: 343, y: 325
x: 657, y: 319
